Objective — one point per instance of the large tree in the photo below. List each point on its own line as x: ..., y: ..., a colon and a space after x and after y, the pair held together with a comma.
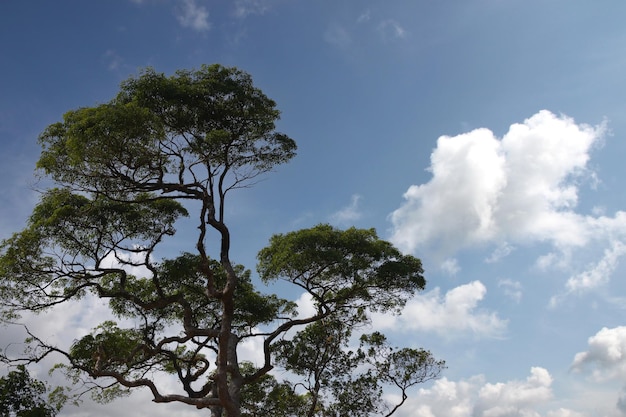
x: 125, y: 173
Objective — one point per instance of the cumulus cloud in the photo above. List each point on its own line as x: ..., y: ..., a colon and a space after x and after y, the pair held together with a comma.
x: 450, y: 315
x: 606, y: 354
x: 348, y: 214
x: 474, y: 397
x: 507, y: 399
x: 519, y: 189
x: 192, y: 16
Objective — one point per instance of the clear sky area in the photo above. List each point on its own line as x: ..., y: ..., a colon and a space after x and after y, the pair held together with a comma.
x: 486, y: 137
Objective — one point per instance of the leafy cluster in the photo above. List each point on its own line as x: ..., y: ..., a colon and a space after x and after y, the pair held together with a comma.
x: 23, y: 396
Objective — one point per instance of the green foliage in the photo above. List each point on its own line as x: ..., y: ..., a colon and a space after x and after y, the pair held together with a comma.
x: 22, y: 396
x: 341, y: 380
x: 126, y: 172
x: 350, y: 268
x: 160, y: 126
x: 269, y: 398
x: 182, y: 281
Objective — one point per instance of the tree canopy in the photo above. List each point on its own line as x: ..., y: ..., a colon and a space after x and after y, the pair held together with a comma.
x: 23, y: 396
x: 126, y: 171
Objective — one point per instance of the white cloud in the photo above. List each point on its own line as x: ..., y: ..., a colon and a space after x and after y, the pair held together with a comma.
x: 348, y: 214
x: 338, y: 36
x: 564, y: 412
x: 450, y: 266
x: 502, y: 251
x: 594, y: 276
x: 451, y: 315
x: 474, y: 397
x: 192, y: 16
x: 599, y: 273
x: 606, y: 355
x: 520, y: 189
x: 131, y: 262
x: 245, y: 8
x: 391, y: 29
x: 446, y: 398
x: 512, y: 289
x: 306, y: 306
x: 364, y: 17
x: 508, y: 399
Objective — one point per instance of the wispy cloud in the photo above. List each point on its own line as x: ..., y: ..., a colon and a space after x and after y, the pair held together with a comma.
x: 193, y: 16
x: 113, y: 60
x: 599, y: 273
x: 338, y: 36
x: 391, y: 29
x: 450, y: 266
x: 512, y: 289
x: 348, y: 214
x: 245, y: 8
x: 502, y: 251
x: 364, y: 17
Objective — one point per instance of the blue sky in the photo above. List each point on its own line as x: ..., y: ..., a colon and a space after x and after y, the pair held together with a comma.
x: 484, y: 136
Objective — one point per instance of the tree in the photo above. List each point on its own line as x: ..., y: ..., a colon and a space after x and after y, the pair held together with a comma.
x: 126, y: 171
x: 22, y: 396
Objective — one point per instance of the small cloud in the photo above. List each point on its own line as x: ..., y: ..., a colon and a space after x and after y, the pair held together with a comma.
x: 450, y: 266
x: 502, y: 251
x: 192, y: 16
x: 599, y: 273
x: 598, y: 211
x: 348, y: 214
x: 606, y: 354
x: 512, y: 289
x: 338, y: 36
x: 113, y: 60
x: 595, y: 276
x: 364, y: 17
x: 451, y: 315
x: 390, y: 29
x: 245, y: 8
